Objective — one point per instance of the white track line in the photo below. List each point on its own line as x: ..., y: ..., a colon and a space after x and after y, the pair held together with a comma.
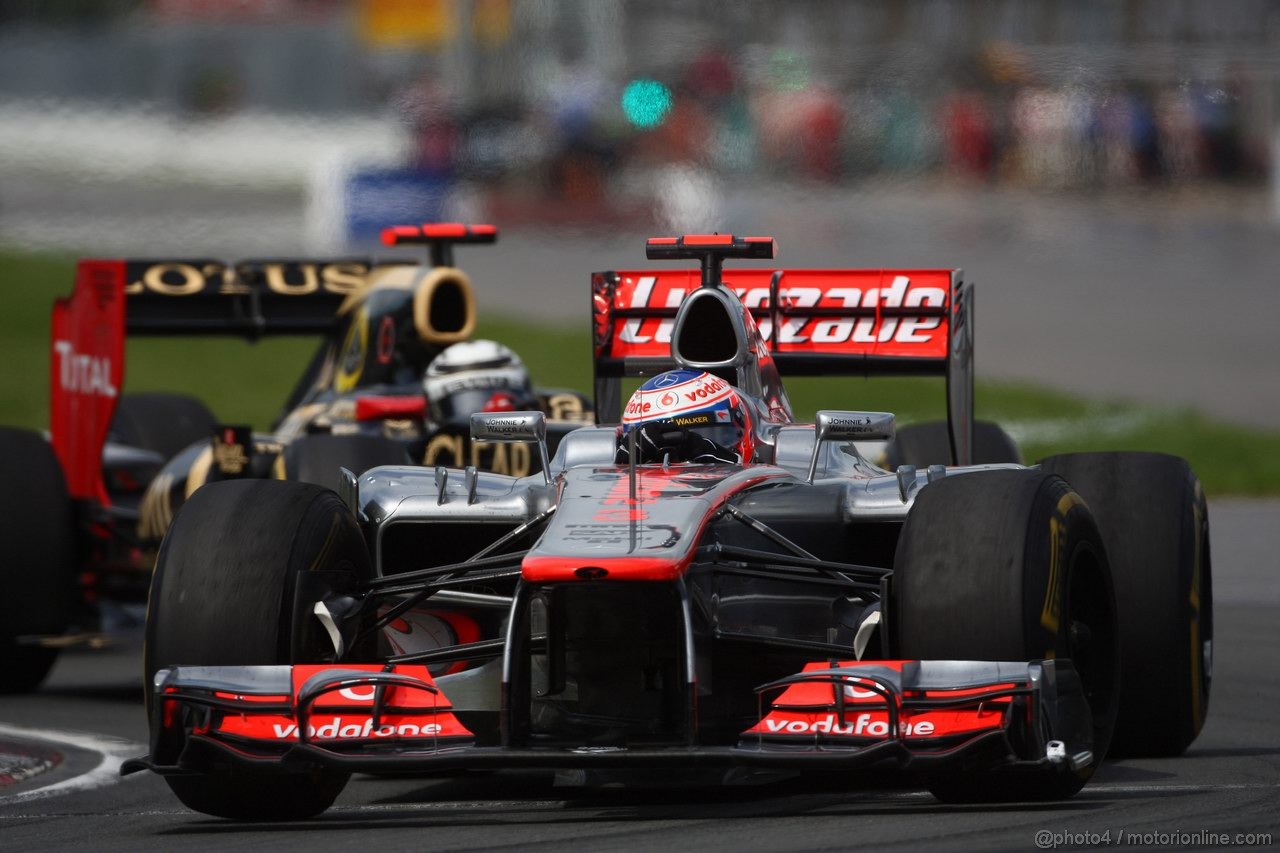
x: 111, y: 751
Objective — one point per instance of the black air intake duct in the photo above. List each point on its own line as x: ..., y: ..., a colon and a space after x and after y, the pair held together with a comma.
x: 710, y: 332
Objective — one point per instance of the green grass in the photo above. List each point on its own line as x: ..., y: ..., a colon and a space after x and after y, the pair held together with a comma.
x: 247, y: 383
x: 241, y: 382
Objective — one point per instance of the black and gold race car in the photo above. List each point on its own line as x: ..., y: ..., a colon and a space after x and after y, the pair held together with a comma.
x: 394, y: 380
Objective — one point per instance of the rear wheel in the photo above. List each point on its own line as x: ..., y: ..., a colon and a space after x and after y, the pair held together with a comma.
x: 929, y: 443
x: 165, y: 423
x: 1154, y: 521
x: 1008, y: 565
x: 318, y: 458
x: 223, y: 594
x: 37, y: 573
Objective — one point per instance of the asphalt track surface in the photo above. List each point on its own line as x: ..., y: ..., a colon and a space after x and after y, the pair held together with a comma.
x: 1160, y: 297
x: 90, y: 715
x: 1166, y: 300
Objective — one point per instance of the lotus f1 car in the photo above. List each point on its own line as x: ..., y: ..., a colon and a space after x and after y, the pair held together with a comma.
x: 118, y: 466
x: 656, y: 597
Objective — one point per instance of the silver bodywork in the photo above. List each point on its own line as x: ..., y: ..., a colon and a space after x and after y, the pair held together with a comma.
x: 655, y: 610
x: 393, y: 495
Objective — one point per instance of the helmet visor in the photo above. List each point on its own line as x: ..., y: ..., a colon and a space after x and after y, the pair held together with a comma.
x: 700, y: 436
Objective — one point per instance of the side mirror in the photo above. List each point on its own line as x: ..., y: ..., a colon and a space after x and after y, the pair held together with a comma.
x: 514, y: 426
x: 849, y: 426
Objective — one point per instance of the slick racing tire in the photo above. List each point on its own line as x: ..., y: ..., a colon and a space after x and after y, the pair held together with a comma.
x: 1008, y: 565
x: 929, y: 443
x: 164, y: 423
x: 1154, y: 521
x: 318, y: 458
x: 223, y: 595
x: 37, y: 573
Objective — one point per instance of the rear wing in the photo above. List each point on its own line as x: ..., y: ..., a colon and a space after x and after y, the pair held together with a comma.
x: 905, y: 322
x: 248, y: 299
x: 115, y: 298
x: 194, y: 297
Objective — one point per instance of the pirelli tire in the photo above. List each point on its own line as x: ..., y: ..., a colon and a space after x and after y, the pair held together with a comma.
x: 223, y: 594
x: 38, y: 591
x: 319, y: 458
x: 1155, y: 523
x: 929, y: 443
x: 1008, y: 565
x: 164, y: 423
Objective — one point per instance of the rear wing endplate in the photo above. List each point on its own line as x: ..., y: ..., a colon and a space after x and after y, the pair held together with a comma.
x: 86, y: 373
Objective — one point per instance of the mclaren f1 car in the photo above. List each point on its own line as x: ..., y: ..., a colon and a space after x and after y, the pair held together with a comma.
x: 393, y: 379
x: 704, y: 586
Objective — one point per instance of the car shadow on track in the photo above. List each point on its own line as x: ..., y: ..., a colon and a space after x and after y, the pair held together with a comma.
x: 523, y: 799
x: 1120, y: 772
x: 442, y: 816
x: 1234, y: 752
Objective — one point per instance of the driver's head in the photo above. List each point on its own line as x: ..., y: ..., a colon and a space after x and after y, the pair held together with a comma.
x: 476, y: 376
x: 687, y: 416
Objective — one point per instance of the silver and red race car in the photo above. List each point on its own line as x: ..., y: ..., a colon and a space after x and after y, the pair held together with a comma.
x: 706, y: 587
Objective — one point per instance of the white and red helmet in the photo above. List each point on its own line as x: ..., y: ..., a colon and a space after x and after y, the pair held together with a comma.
x: 692, y: 403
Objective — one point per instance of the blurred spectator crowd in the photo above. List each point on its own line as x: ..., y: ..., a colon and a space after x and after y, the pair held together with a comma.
x: 597, y: 107
x: 761, y: 112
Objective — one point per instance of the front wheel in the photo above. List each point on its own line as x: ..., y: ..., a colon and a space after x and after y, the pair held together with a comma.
x: 1008, y: 565
x: 223, y: 595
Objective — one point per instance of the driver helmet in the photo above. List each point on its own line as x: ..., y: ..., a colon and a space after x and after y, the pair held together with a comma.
x: 687, y: 416
x: 476, y: 376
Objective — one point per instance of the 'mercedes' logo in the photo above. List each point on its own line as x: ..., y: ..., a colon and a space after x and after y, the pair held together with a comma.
x: 83, y: 374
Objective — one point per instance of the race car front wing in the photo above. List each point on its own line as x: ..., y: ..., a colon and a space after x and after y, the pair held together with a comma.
x: 917, y: 715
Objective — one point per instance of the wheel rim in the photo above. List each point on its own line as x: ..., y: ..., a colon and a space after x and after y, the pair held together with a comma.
x: 1091, y: 641
x: 1201, y: 617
